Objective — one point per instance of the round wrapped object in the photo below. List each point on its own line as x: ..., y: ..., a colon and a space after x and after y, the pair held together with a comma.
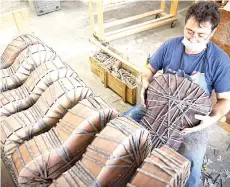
x: 41, y: 78
x: 163, y: 168
x: 172, y: 103
x: 44, y: 114
x: 29, y: 59
x: 72, y: 134
x: 15, y: 47
x: 112, y: 158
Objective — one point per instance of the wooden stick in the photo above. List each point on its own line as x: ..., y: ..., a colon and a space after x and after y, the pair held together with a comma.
x: 134, y: 69
x: 132, y: 18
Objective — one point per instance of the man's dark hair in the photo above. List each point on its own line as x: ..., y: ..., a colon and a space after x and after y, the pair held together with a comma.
x: 204, y: 12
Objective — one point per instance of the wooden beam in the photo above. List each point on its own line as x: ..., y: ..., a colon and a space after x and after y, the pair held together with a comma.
x: 134, y: 69
x: 132, y: 18
x: 137, y: 25
x: 140, y: 29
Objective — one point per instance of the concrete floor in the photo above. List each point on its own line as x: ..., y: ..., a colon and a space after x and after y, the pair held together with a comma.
x: 67, y: 31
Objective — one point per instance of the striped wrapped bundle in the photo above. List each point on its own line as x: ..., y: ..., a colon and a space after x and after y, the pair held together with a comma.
x: 172, y: 103
x: 41, y: 78
x: 58, y: 149
x: 28, y: 60
x: 163, y: 168
x: 112, y: 158
x: 15, y: 47
x: 44, y: 114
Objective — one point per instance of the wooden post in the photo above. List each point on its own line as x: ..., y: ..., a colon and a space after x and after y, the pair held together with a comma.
x: 21, y: 18
x: 163, y: 5
x: 91, y: 16
x: 100, y: 21
x: 174, y: 6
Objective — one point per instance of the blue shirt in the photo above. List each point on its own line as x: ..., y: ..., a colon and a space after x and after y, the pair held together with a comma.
x: 217, y: 63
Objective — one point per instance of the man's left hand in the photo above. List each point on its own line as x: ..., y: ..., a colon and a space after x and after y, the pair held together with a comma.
x: 205, y: 122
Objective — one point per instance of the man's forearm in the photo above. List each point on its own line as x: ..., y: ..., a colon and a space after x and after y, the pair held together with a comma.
x: 147, y: 76
x: 221, y: 108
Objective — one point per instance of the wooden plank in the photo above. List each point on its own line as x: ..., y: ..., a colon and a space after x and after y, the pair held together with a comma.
x: 140, y: 29
x: 132, y: 18
x: 174, y: 7
x: 137, y: 26
x: 21, y: 18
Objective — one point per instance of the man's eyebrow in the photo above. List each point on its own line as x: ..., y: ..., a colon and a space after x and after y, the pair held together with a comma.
x: 194, y: 31
x: 189, y: 29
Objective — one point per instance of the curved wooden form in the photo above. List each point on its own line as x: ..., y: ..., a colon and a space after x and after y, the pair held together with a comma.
x: 15, y: 48
x: 44, y: 114
x: 28, y: 60
x: 41, y: 78
x: 112, y: 158
x: 71, y: 135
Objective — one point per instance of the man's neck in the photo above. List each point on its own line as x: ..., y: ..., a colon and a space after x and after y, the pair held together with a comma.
x: 189, y: 52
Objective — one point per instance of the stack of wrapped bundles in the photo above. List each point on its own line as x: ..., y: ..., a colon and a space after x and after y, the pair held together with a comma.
x: 55, y: 132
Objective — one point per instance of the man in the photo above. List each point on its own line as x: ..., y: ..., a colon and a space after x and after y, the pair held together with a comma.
x: 195, y: 57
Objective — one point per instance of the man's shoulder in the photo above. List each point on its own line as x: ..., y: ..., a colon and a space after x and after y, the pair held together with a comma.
x: 172, y: 44
x: 174, y: 41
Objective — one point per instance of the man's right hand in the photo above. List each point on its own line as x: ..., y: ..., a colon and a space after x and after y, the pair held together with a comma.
x: 143, y: 93
x: 147, y: 77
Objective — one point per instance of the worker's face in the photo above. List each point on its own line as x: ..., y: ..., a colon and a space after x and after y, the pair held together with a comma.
x: 198, y: 33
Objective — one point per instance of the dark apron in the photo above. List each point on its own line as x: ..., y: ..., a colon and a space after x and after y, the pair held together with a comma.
x: 195, y: 141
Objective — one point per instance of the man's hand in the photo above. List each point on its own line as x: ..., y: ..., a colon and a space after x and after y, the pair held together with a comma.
x: 205, y: 122
x: 145, y: 85
x: 147, y: 77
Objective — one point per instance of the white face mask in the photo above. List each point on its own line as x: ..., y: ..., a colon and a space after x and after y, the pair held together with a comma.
x: 195, y: 47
